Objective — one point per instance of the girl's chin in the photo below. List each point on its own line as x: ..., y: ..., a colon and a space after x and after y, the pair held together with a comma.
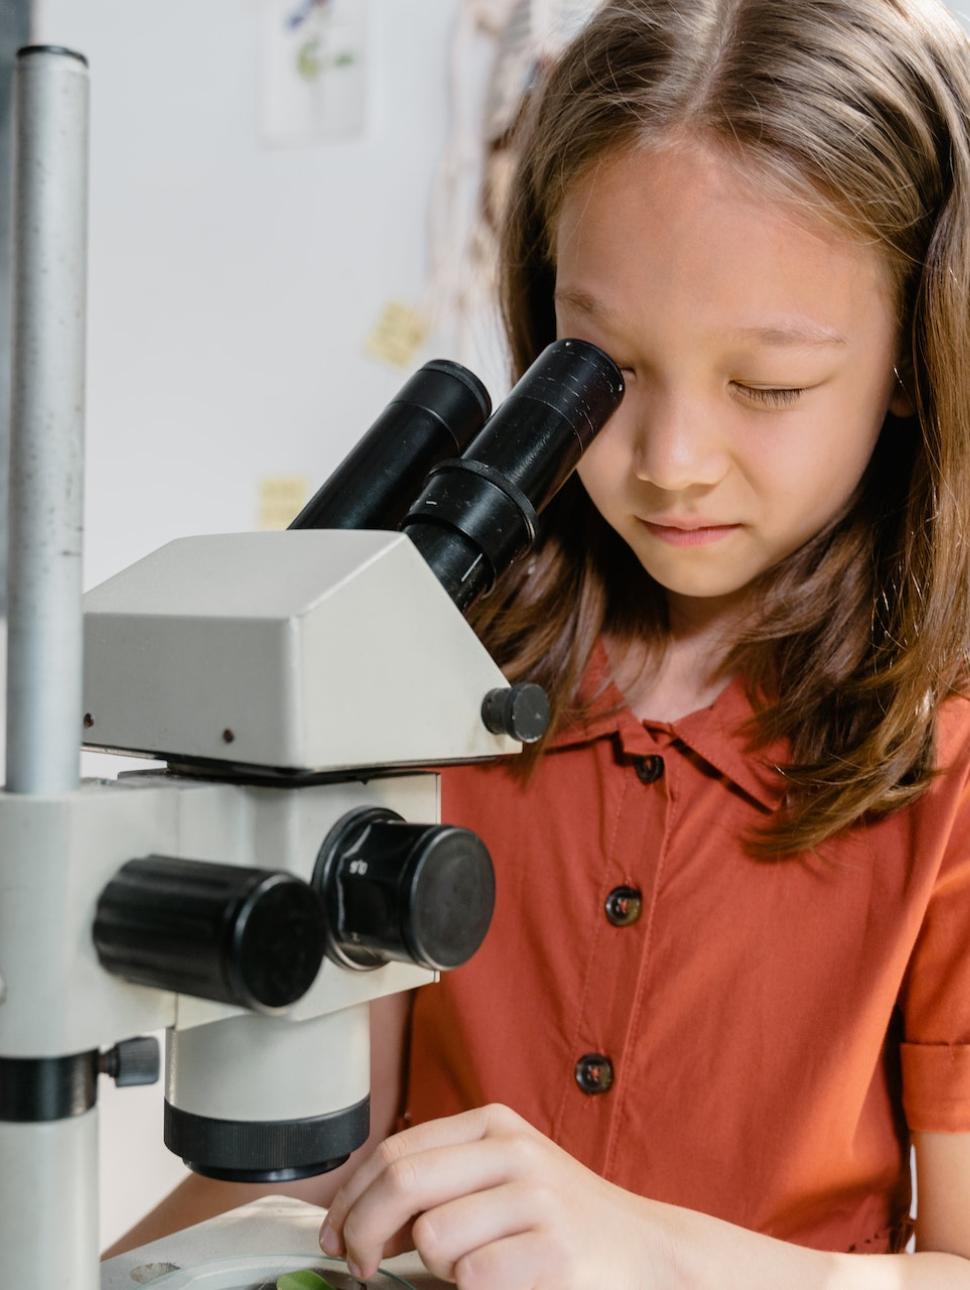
x: 698, y: 588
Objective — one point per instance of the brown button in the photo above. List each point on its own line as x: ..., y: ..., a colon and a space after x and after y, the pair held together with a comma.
x: 649, y: 769
x: 624, y: 906
x: 594, y: 1073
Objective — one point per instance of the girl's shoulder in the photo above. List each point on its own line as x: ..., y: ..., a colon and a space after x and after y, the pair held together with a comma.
x: 952, y: 756
x: 939, y: 818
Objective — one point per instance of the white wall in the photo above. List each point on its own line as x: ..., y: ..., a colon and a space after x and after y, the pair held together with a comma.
x: 232, y: 285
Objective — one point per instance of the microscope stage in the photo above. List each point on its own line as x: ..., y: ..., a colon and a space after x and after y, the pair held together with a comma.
x: 260, y: 1272
x: 235, y: 1251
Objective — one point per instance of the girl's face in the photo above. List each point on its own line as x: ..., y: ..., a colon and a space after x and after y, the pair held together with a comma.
x: 758, y: 346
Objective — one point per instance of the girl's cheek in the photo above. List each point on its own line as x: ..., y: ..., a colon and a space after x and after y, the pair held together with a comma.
x: 607, y: 454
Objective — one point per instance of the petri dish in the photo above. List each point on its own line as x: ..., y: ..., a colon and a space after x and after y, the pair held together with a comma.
x: 259, y: 1272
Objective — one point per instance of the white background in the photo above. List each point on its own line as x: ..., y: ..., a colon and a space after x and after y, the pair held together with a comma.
x: 232, y: 285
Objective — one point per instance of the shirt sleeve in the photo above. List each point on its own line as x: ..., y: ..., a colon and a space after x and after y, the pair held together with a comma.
x: 935, y: 999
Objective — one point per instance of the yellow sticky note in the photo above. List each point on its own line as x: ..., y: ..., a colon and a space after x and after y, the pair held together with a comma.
x: 398, y: 335
x: 281, y: 498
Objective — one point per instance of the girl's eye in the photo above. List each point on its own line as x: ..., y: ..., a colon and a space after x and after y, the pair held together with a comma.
x: 772, y: 398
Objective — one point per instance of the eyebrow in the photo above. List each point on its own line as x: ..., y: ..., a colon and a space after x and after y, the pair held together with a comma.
x: 803, y: 332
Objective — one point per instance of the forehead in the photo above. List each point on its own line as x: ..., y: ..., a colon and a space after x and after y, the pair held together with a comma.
x: 684, y: 234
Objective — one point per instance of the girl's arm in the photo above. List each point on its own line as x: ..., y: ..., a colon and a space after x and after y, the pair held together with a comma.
x: 714, y: 1255
x: 490, y: 1202
x: 198, y: 1198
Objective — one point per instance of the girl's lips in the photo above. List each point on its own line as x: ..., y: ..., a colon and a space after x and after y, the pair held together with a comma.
x: 689, y: 537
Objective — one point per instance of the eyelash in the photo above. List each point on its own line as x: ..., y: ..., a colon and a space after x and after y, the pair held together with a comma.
x: 774, y: 398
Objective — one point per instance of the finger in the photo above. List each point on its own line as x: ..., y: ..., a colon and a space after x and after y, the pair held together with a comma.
x: 414, y: 1184
x: 467, y: 1126
x: 444, y: 1234
x: 331, y: 1242
x: 402, y: 1242
x: 520, y: 1262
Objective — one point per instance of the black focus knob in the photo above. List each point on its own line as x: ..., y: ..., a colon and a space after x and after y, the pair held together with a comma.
x: 251, y: 937
x: 520, y: 711
x: 132, y: 1061
x: 415, y: 893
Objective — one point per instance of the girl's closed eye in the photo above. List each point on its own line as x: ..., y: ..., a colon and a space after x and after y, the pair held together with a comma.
x: 771, y: 396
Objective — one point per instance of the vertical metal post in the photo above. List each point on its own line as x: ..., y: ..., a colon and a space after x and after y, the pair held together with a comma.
x: 49, y: 1203
x: 14, y: 32
x: 48, y: 1157
x: 44, y: 649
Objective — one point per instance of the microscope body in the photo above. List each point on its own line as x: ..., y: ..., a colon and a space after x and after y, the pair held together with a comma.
x: 295, y: 683
x: 318, y: 652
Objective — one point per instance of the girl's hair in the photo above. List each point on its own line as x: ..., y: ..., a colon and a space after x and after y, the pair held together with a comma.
x: 858, y: 109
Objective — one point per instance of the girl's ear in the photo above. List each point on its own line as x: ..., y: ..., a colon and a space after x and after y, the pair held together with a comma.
x: 901, y: 403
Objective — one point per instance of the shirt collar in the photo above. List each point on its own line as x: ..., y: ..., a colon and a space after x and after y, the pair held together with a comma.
x: 713, y: 733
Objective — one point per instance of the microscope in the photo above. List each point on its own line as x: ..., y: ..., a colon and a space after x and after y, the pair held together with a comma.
x: 288, y: 865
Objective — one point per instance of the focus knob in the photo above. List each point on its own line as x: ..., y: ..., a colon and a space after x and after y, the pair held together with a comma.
x: 132, y: 1061
x: 415, y: 893
x: 250, y: 937
x: 520, y: 711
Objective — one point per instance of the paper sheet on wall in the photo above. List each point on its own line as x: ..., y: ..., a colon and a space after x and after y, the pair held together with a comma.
x: 313, y: 73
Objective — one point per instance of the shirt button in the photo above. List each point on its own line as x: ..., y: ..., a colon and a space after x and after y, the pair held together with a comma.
x: 594, y: 1073
x: 649, y: 769
x: 623, y: 906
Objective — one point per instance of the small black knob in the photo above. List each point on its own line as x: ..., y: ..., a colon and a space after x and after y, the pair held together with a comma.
x: 251, y: 937
x: 415, y: 893
x: 520, y: 711
x: 132, y: 1061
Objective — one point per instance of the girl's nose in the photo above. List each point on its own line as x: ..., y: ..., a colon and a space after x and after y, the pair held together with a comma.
x: 677, y: 444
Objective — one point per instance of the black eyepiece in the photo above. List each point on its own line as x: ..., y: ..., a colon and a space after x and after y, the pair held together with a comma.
x: 478, y: 514
x: 436, y: 415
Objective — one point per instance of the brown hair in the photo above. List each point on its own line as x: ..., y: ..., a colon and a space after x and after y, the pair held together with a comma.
x: 859, y: 107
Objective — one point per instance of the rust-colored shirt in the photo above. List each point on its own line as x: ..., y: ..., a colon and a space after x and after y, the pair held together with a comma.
x: 750, y: 1039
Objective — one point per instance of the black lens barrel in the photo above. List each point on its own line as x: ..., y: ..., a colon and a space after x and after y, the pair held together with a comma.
x: 437, y: 414
x: 478, y: 514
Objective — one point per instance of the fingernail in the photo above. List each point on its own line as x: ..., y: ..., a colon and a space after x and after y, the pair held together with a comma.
x: 354, y: 1270
x: 328, y: 1240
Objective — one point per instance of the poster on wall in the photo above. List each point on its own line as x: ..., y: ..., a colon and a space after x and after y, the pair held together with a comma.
x: 313, y: 71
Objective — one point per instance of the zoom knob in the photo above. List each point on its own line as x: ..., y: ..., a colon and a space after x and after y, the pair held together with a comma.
x: 520, y: 711
x: 251, y: 937
x: 414, y: 893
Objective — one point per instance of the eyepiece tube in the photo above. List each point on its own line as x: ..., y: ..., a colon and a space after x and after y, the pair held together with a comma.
x: 478, y: 514
x: 436, y: 415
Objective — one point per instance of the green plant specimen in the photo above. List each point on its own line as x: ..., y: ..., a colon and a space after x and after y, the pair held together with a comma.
x: 305, y: 1279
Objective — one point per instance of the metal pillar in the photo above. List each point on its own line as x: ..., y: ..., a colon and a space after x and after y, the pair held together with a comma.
x: 48, y: 1141
x: 44, y: 664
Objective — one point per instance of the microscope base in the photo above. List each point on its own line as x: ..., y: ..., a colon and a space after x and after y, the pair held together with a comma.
x: 275, y: 1224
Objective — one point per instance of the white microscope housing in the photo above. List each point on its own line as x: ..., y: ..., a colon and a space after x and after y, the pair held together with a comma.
x: 292, y: 678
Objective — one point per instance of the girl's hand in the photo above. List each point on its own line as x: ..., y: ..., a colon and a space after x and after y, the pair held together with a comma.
x: 491, y: 1204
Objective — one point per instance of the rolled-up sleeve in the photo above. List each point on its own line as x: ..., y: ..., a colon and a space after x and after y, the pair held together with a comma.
x: 935, y: 1000
x: 936, y: 1087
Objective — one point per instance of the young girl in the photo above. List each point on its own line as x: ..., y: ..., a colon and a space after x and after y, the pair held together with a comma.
x: 728, y: 978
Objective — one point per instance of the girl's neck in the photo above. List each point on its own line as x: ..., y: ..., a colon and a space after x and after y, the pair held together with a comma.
x: 666, y: 682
